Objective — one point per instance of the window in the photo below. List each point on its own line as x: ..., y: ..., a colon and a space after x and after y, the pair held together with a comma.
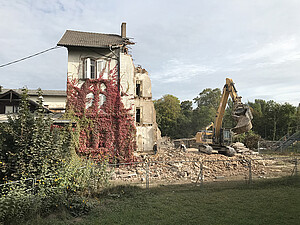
x: 89, y: 68
x: 102, y: 99
x: 93, y: 69
x: 138, y: 115
x: 89, y: 100
x: 138, y: 88
x: 11, y: 109
x: 102, y: 87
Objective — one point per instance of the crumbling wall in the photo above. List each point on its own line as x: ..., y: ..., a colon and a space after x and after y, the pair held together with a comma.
x: 147, y: 129
x: 142, y: 75
x: 127, y: 84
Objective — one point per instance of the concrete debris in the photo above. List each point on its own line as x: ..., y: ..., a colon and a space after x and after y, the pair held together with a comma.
x: 171, y: 165
x: 242, y: 149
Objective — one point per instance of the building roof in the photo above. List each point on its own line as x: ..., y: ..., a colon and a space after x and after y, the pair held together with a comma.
x: 32, y: 92
x: 17, y: 95
x: 87, y: 39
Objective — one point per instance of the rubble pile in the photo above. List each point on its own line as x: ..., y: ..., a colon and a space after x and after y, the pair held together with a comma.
x: 172, y: 165
x: 242, y: 149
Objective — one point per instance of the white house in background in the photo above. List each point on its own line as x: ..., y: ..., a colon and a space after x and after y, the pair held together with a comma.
x: 54, y: 100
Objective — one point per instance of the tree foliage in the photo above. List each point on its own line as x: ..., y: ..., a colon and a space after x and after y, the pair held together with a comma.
x: 209, y: 97
x: 271, y: 120
x: 30, y: 145
x: 167, y: 111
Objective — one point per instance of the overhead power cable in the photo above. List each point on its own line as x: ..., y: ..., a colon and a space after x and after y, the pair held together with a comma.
x: 27, y: 57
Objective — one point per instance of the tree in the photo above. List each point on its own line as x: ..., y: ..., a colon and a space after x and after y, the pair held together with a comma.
x: 259, y: 122
x: 202, y: 117
x: 207, y: 105
x: 31, y: 146
x: 184, y: 121
x: 228, y: 121
x: 272, y: 120
x: 209, y: 97
x: 167, y: 112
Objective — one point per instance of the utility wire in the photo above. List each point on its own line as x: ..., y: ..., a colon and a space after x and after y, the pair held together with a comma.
x: 19, y: 60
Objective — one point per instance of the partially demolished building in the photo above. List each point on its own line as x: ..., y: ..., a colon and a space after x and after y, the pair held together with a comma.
x: 105, y: 57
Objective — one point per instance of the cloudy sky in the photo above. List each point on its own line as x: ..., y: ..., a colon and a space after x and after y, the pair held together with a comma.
x: 185, y: 46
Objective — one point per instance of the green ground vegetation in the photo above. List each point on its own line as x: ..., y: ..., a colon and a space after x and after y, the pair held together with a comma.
x: 275, y: 201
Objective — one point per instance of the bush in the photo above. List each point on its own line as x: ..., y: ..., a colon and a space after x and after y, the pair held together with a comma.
x: 68, y: 189
x: 250, y: 139
x: 31, y: 147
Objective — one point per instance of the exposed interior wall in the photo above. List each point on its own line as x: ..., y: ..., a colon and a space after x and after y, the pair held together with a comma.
x: 127, y: 85
x: 147, y: 129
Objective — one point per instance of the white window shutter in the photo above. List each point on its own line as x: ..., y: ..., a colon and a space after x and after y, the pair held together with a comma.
x: 99, y: 67
x: 102, y: 68
x: 105, y: 74
x: 88, y: 68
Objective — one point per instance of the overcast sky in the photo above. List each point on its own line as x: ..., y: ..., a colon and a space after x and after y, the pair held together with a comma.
x: 185, y: 46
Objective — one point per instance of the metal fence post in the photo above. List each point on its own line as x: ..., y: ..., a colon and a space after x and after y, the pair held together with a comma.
x: 296, y: 166
x: 250, y: 171
x: 147, y: 175
x: 201, y: 174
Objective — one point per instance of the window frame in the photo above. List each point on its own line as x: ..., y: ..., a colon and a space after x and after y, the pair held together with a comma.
x: 93, y: 67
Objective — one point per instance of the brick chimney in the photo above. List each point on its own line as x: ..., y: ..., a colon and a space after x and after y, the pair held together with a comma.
x: 123, y: 30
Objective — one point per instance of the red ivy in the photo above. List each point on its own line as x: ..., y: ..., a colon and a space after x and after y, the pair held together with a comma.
x: 107, y: 131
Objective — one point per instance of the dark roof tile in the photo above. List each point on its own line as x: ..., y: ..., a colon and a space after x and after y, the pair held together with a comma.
x: 34, y: 92
x: 87, y: 39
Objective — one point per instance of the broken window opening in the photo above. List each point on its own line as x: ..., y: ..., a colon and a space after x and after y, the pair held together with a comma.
x: 138, y: 115
x: 138, y: 88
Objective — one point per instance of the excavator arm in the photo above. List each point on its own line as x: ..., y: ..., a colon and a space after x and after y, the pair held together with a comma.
x: 241, y: 113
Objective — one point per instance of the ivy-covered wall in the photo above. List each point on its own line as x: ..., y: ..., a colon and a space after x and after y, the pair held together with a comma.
x: 105, y: 127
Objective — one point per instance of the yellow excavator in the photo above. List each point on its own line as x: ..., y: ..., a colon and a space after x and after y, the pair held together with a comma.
x: 214, y: 137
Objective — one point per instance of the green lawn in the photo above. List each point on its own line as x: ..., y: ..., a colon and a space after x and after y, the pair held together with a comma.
x: 265, y: 202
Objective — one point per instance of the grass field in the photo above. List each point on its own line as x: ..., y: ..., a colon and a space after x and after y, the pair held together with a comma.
x: 265, y: 202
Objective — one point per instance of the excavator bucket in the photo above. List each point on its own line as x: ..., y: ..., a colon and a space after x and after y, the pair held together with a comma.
x: 242, y: 114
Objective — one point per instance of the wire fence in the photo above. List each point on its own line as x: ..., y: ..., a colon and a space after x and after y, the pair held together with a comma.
x: 153, y: 173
